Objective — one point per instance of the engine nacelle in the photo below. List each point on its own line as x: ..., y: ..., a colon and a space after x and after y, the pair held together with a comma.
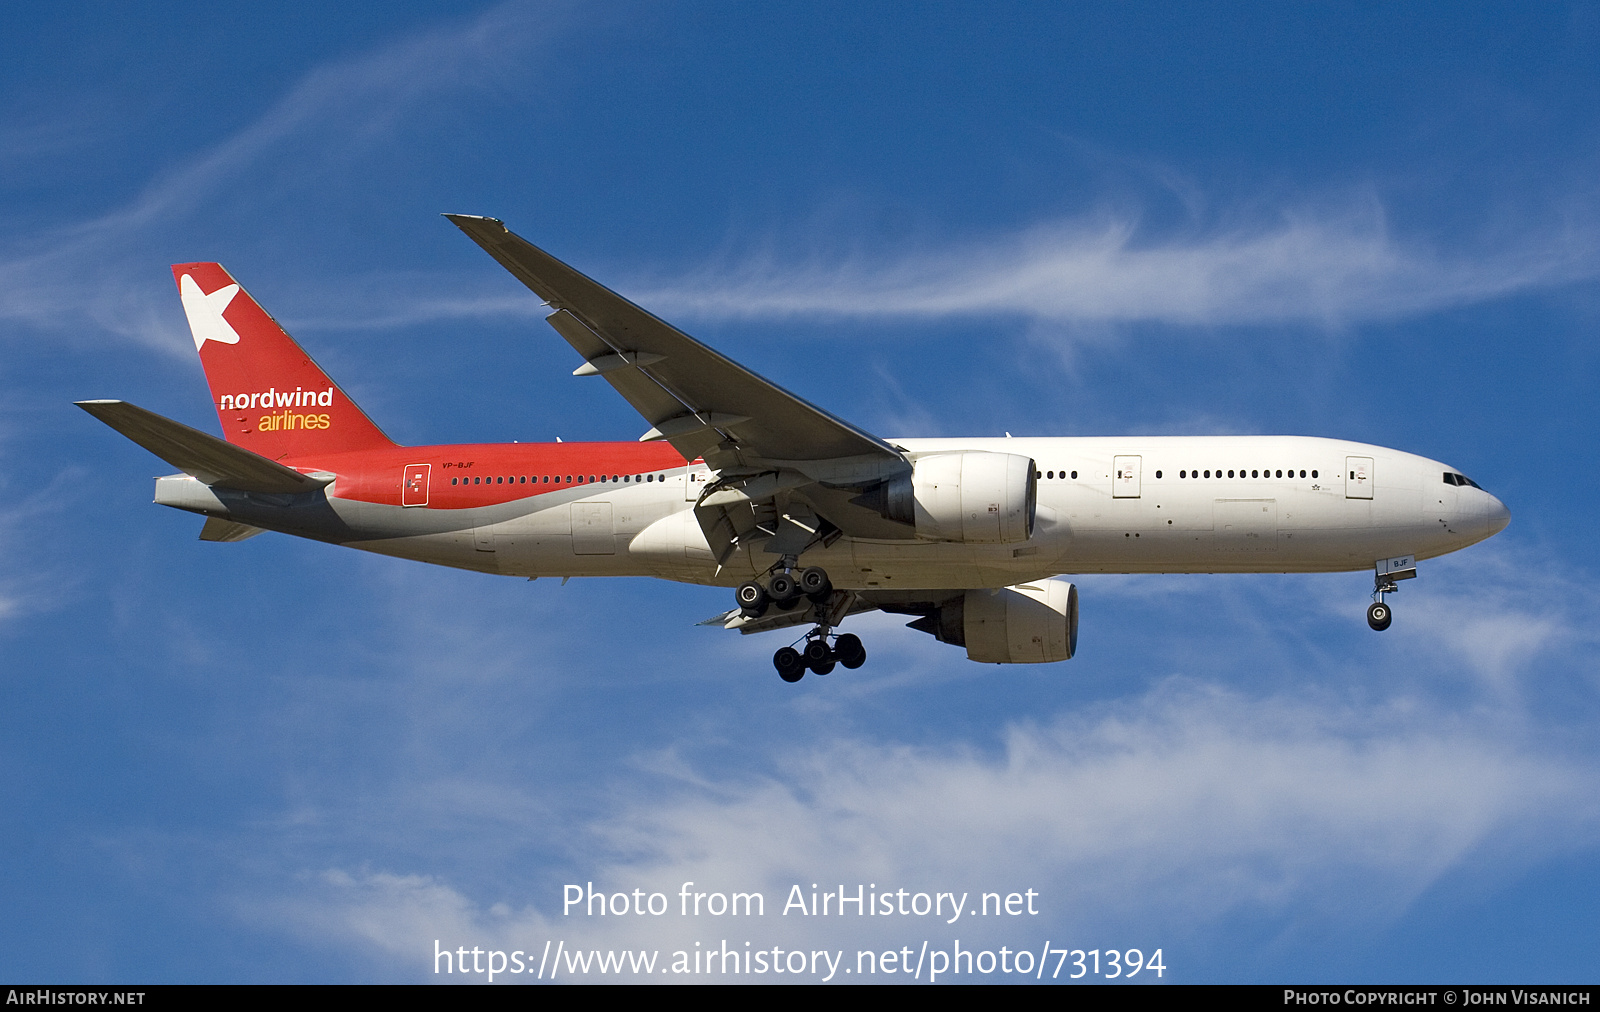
x: 972, y: 497
x: 1031, y: 623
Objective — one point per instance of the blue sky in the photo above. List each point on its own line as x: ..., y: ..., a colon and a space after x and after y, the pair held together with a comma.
x: 280, y: 761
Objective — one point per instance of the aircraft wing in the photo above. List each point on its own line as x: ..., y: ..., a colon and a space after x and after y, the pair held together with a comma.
x: 702, y: 402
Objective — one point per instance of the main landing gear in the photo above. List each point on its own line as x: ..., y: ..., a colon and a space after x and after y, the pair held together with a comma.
x: 817, y: 655
x: 787, y: 589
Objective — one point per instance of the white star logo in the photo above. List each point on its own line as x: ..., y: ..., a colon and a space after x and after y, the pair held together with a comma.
x: 205, y: 311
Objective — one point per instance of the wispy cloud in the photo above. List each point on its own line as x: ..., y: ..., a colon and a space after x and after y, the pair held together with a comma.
x: 330, y: 117
x: 350, y: 104
x: 1327, y: 263
x: 462, y: 780
x: 1075, y: 280
x: 1181, y: 808
x: 1332, y: 791
x: 1297, y: 266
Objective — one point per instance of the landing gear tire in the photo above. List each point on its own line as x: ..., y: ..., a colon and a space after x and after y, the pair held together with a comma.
x: 791, y: 666
x: 752, y: 599
x: 784, y: 589
x: 849, y: 650
x: 819, y: 657
x: 814, y: 583
x: 1379, y: 616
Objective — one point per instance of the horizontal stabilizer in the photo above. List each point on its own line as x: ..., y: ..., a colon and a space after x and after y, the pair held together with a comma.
x: 211, y: 460
x: 218, y: 529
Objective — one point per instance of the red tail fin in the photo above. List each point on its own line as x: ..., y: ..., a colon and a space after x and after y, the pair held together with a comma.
x: 270, y: 396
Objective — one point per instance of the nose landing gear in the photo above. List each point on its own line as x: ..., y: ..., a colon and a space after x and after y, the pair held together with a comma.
x: 1388, y: 573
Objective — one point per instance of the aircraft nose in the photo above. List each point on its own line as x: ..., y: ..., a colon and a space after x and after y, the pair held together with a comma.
x: 1497, y: 515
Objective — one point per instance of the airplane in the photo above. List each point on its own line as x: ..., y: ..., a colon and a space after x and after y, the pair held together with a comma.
x: 739, y: 483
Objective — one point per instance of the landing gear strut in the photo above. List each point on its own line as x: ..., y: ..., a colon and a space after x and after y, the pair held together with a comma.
x: 1379, y: 614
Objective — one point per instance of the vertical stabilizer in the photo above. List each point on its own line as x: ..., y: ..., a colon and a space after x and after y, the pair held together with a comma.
x: 270, y: 396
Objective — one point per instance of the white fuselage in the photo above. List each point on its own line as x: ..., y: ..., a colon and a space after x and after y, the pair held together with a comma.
x: 1105, y: 505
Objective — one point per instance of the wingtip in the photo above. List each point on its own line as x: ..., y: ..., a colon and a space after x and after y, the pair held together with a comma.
x: 461, y: 220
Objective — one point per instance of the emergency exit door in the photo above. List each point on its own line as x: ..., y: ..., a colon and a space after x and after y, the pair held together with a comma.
x: 414, y: 485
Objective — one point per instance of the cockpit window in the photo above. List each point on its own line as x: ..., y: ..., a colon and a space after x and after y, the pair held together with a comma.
x: 1452, y: 478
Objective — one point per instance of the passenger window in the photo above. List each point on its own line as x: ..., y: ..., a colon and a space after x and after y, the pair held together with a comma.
x: 1074, y: 476
x: 1158, y: 474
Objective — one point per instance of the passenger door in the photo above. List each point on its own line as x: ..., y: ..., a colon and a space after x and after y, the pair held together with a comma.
x: 1125, y: 477
x: 1358, y: 477
x: 592, y: 532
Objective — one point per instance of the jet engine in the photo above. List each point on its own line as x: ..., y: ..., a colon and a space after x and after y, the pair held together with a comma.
x: 1031, y: 623
x: 972, y: 497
